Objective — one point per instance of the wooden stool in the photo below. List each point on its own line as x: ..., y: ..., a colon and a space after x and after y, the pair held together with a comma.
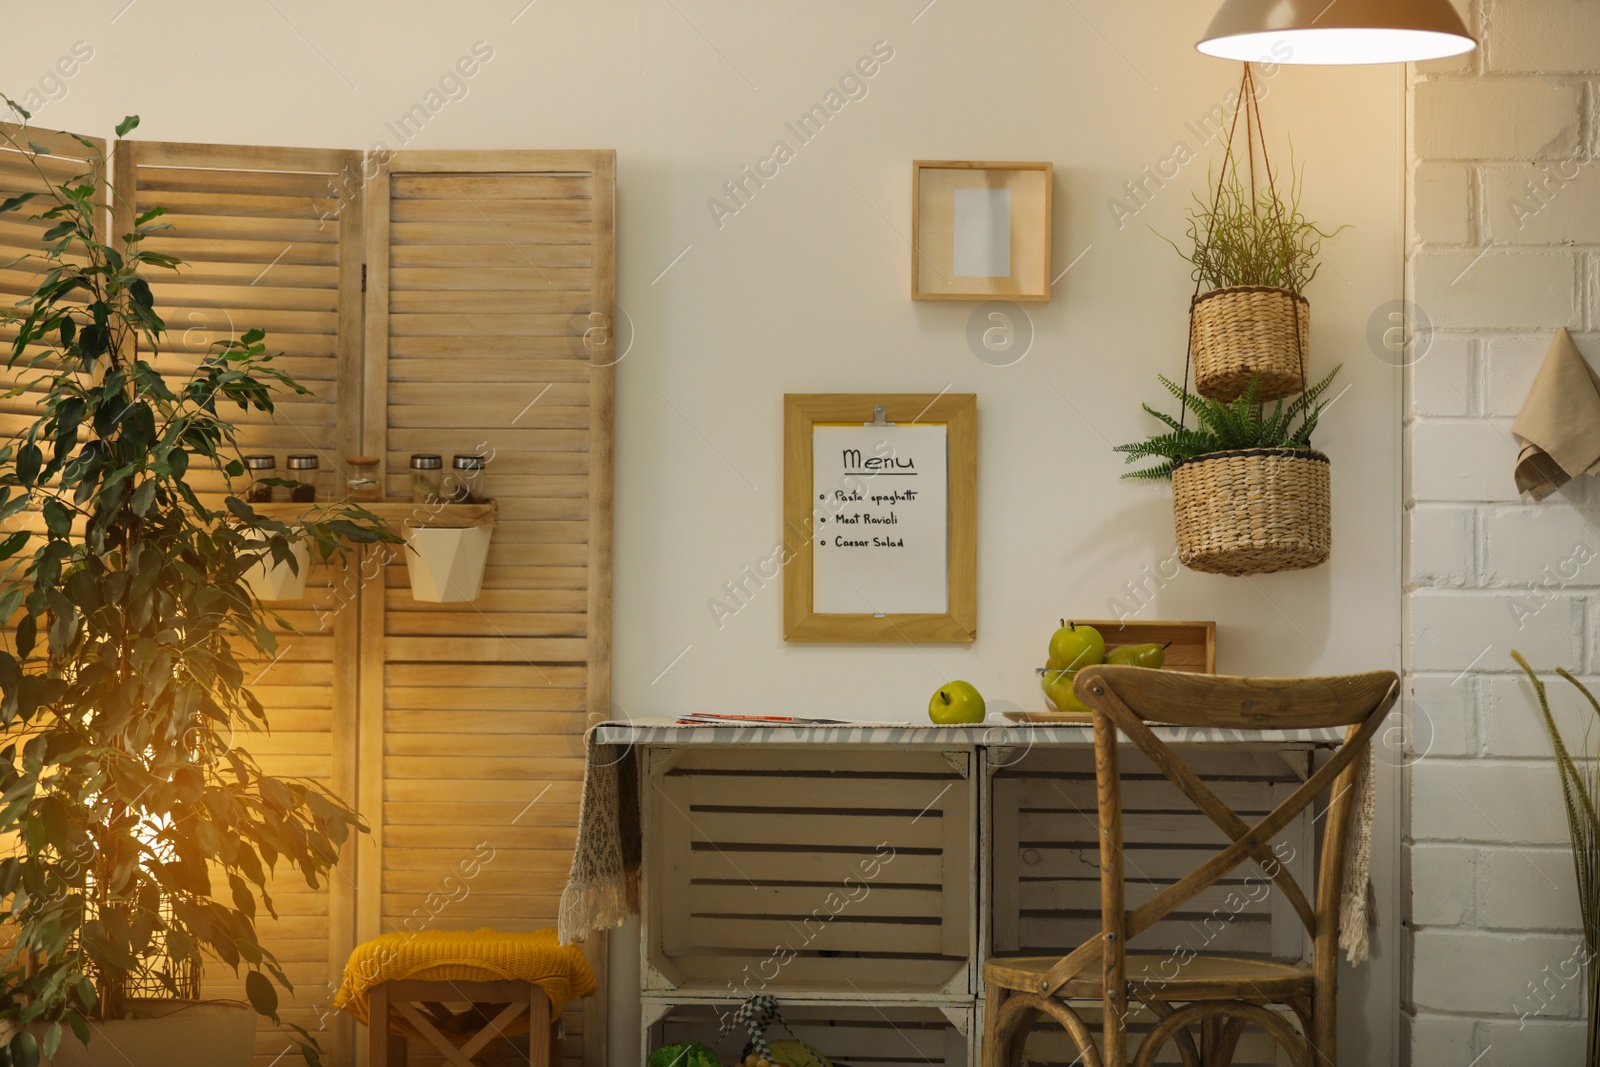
x: 458, y: 1035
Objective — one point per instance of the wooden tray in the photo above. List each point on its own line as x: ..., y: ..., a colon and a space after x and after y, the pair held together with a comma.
x: 1194, y: 644
x: 1193, y: 651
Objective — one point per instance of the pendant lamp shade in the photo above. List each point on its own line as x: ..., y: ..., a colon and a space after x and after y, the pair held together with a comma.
x: 1336, y: 31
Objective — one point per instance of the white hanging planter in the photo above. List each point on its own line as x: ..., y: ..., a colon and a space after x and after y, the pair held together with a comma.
x: 446, y: 563
x: 271, y: 581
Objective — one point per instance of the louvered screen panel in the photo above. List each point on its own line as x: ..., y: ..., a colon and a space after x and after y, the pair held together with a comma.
x: 490, y: 286
x: 20, y: 264
x: 269, y: 243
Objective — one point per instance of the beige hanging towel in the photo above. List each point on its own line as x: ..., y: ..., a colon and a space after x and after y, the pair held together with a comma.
x: 1559, y: 424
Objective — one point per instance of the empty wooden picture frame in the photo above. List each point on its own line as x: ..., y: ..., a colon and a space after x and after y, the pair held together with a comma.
x: 889, y: 508
x: 980, y: 230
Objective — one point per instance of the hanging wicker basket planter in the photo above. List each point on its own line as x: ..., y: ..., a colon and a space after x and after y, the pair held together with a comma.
x: 1245, y: 330
x: 1253, y: 511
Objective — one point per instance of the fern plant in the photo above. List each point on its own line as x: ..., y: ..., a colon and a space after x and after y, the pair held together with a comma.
x: 1226, y: 426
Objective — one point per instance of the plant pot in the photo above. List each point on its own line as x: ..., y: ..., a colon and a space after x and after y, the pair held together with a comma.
x: 1244, y: 330
x: 446, y: 563
x: 1253, y: 511
x: 278, y: 581
x: 167, y: 1033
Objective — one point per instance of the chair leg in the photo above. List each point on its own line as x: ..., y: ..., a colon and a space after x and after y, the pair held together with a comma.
x: 1323, y: 1033
x: 540, y: 1032
x: 378, y: 1026
x: 1227, y: 1043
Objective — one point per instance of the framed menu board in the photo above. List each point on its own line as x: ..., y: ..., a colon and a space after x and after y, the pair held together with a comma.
x: 880, y: 517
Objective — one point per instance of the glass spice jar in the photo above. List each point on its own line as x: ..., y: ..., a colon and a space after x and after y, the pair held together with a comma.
x: 364, y: 480
x: 427, y: 478
x: 466, y: 482
x: 307, y: 471
x: 260, y: 466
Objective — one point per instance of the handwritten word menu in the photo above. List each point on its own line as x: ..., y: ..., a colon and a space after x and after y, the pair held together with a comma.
x: 881, y: 502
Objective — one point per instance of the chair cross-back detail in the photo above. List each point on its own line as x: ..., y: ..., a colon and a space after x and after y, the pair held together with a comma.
x: 1219, y: 994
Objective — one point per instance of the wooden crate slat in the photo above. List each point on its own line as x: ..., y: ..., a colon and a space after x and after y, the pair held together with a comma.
x: 798, y: 902
x: 1245, y: 935
x: 806, y: 866
x: 862, y: 1032
x: 1041, y: 898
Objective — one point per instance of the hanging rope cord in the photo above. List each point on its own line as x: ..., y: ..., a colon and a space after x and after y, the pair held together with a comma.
x: 1250, y: 107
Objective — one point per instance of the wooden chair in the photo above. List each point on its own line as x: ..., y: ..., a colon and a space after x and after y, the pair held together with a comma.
x: 1221, y: 994
x: 461, y: 1035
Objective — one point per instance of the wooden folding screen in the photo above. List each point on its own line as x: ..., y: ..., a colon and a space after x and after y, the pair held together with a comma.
x: 271, y: 238
x: 489, y: 286
x: 456, y: 729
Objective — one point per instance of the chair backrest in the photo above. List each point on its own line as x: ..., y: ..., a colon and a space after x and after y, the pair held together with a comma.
x: 1125, y: 699
x: 1241, y: 703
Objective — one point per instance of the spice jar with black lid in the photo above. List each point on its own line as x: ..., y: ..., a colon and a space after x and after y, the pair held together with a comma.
x: 466, y: 481
x: 427, y: 478
x: 306, y: 470
x: 260, y: 467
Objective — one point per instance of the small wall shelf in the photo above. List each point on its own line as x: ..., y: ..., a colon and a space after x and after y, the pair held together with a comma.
x: 447, y: 545
x: 400, y: 513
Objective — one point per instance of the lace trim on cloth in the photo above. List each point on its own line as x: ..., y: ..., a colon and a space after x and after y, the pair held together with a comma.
x: 603, y: 886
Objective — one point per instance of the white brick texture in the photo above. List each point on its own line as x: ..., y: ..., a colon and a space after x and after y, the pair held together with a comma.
x: 1496, y: 804
x: 1461, y: 631
x: 1504, y: 248
x: 1479, y: 973
x: 1511, y: 119
x: 1442, y: 545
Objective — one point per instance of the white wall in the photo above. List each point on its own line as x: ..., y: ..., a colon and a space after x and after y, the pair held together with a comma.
x: 806, y: 288
x: 1493, y: 905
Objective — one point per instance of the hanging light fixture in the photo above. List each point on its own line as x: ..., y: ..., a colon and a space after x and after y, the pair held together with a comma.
x: 1336, y: 31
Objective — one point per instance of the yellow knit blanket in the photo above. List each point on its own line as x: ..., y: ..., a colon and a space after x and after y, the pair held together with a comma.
x: 479, y: 956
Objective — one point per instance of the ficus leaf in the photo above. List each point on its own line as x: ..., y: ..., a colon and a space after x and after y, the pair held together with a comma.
x: 263, y: 997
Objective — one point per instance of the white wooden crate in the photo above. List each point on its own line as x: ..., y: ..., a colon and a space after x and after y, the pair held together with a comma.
x: 1044, y: 890
x: 858, y: 1032
x: 809, y: 869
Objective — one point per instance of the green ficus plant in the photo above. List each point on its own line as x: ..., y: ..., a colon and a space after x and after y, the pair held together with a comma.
x: 140, y: 831
x: 1225, y: 426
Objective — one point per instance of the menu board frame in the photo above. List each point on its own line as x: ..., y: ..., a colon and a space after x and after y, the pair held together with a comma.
x: 803, y: 514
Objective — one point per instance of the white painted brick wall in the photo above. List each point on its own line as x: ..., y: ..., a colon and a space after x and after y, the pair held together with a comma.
x: 1504, y: 248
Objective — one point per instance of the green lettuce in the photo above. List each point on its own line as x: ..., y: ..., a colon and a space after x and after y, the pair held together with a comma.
x: 683, y: 1054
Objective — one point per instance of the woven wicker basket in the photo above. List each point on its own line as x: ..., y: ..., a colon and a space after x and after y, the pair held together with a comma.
x: 1252, y: 511
x: 1244, y: 330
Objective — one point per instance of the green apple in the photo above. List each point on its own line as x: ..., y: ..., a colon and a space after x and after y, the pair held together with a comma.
x: 956, y: 703
x: 1139, y: 655
x: 1073, y: 647
x: 1057, y: 685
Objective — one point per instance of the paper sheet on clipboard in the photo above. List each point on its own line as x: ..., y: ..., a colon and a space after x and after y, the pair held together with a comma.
x: 882, y: 547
